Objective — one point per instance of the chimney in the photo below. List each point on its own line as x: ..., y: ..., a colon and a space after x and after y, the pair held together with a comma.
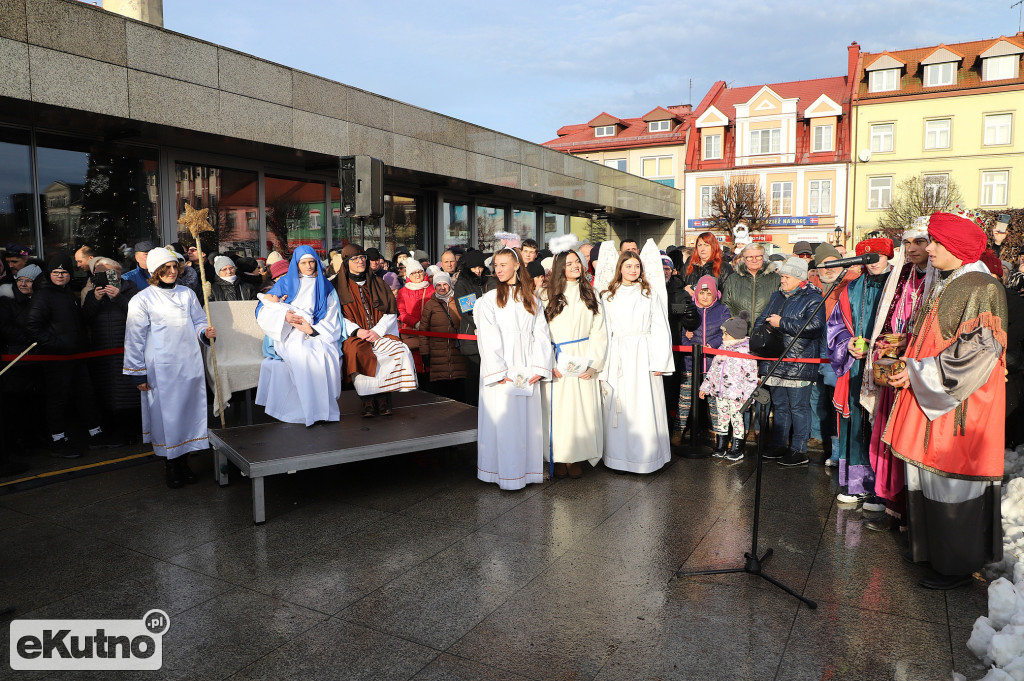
x: 681, y: 109
x: 854, y: 57
x: 149, y: 11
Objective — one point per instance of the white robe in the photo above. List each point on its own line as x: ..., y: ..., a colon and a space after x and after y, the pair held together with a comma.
x: 510, y: 434
x: 161, y: 340
x: 396, y: 368
x: 576, y: 413
x: 304, y: 388
x: 636, y: 419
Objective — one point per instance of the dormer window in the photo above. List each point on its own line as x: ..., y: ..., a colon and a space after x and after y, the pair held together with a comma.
x: 659, y: 126
x: 1000, y: 68
x: 604, y: 131
x: 936, y: 75
x: 884, y: 80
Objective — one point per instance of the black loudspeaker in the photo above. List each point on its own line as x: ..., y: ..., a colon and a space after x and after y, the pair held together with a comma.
x: 362, y: 187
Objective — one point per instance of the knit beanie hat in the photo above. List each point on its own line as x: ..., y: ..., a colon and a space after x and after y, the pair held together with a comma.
x: 412, y: 265
x: 222, y: 261
x: 278, y: 268
x: 826, y: 251
x: 794, y: 267
x: 737, y: 326
x: 706, y: 282
x: 29, y: 271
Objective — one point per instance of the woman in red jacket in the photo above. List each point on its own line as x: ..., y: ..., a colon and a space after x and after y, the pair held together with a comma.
x: 417, y: 290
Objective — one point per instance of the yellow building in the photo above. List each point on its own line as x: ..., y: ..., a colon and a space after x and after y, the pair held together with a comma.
x: 652, y: 146
x: 947, y: 112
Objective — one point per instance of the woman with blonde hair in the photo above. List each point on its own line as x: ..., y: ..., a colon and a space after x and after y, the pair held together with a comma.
x: 636, y: 438
x: 515, y: 353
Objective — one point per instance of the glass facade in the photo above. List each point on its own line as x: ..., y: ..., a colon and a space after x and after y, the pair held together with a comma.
x: 17, y: 220
x: 232, y: 197
x: 489, y: 219
x: 456, y: 225
x: 402, y: 225
x: 100, y: 194
x: 524, y: 223
x: 294, y: 214
x: 555, y: 224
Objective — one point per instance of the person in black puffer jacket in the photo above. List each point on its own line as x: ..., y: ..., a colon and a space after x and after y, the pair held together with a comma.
x: 105, y: 310
x: 474, y: 280
x: 790, y: 385
x: 22, y: 384
x: 227, y: 285
x: 55, y: 322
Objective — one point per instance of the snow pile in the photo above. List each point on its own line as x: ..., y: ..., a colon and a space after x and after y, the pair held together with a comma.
x: 998, y: 639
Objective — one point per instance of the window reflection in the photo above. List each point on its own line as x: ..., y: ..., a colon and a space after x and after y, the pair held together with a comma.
x: 17, y: 222
x: 402, y: 225
x: 555, y: 224
x: 232, y: 199
x: 96, y: 194
x: 489, y: 219
x: 524, y: 223
x: 456, y: 225
x: 295, y: 214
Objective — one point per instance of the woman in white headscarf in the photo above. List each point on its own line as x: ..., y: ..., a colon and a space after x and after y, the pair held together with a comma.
x: 162, y: 355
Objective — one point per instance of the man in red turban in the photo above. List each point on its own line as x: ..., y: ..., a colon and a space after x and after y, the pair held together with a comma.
x: 950, y: 395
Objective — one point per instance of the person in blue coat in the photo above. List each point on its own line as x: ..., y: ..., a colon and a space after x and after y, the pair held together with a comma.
x: 140, y: 275
x: 790, y: 385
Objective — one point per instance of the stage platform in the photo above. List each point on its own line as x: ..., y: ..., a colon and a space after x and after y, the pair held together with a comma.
x: 421, y: 421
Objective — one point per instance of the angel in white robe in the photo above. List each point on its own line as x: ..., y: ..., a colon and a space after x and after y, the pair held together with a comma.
x: 162, y: 337
x: 300, y: 378
x: 515, y: 354
x: 639, y: 354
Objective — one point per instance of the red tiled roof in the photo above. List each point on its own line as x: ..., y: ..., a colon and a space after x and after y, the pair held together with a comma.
x: 968, y: 73
x: 632, y: 133
x: 806, y: 91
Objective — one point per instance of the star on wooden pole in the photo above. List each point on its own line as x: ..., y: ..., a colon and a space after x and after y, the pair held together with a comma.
x: 196, y: 221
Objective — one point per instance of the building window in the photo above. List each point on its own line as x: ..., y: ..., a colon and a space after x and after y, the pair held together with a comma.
x: 617, y: 163
x: 997, y: 128
x: 604, y: 131
x: 656, y: 166
x: 659, y: 126
x: 884, y: 80
x: 712, y: 147
x: 936, y: 134
x: 782, y: 198
x: 822, y: 138
x: 879, y: 193
x: 993, y: 187
x: 936, y: 188
x: 936, y: 75
x: 766, y: 141
x: 1000, y: 68
x: 881, y: 137
x: 705, y: 201
x: 819, y: 197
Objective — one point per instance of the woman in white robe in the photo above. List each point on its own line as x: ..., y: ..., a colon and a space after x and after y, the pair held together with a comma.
x: 573, y: 419
x: 639, y: 354
x: 300, y: 380
x: 162, y: 355
x: 515, y: 354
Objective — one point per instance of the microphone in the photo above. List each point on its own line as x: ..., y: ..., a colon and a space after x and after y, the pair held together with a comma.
x: 866, y: 259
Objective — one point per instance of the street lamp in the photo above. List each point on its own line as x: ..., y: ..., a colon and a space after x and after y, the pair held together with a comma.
x: 839, y: 234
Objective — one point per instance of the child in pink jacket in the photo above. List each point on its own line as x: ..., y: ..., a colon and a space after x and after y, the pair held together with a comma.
x: 727, y: 385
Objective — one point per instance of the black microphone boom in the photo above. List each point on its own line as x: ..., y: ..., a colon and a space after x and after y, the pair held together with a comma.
x: 866, y: 259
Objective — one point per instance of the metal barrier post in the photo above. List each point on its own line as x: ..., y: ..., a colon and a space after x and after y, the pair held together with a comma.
x: 697, y: 374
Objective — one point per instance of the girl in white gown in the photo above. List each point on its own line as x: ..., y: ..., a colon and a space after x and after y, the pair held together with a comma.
x: 639, y: 354
x: 572, y: 399
x: 161, y: 354
x: 515, y: 353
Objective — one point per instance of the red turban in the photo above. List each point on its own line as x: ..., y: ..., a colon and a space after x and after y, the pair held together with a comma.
x: 992, y: 262
x: 881, y: 245
x: 960, y: 236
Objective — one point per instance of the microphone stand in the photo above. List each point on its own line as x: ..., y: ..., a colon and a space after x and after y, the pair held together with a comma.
x: 759, y: 401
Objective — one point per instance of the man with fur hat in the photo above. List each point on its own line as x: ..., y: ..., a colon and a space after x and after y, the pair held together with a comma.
x: 375, y: 360
x: 947, y: 420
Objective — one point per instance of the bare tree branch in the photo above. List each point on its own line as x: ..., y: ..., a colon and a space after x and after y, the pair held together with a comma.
x: 735, y: 202
x: 916, y: 196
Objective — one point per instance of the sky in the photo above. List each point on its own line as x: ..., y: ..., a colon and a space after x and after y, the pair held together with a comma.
x: 528, y: 67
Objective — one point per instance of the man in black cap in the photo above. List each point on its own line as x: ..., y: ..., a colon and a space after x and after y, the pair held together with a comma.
x: 15, y: 257
x: 803, y: 250
x: 376, y: 262
x: 140, y: 275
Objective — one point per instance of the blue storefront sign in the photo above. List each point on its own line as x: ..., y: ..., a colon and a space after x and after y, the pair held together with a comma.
x: 778, y: 221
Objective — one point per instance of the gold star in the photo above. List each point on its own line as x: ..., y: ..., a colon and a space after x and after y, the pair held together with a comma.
x: 195, y: 220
